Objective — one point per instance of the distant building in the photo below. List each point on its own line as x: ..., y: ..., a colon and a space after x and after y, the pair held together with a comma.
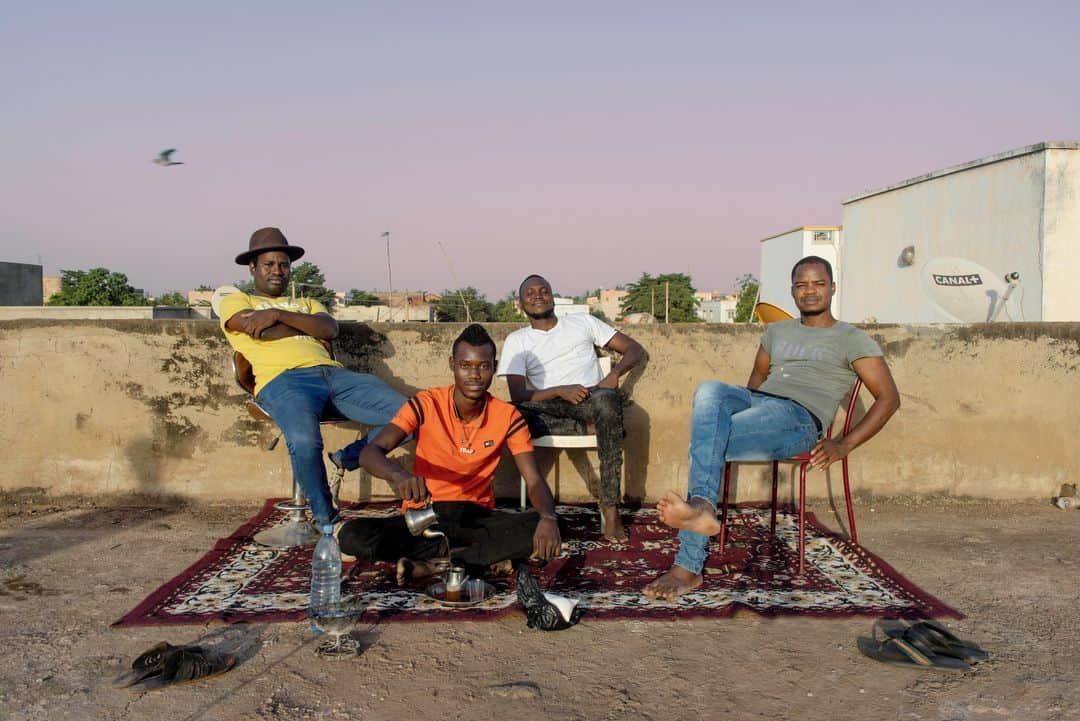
x: 50, y: 285
x: 20, y: 284
x: 937, y: 248
x: 567, y: 306
x: 398, y: 307
x: 720, y: 310
x: 1017, y: 211
x: 608, y: 302
x: 385, y: 314
x: 199, y: 298
x: 780, y: 252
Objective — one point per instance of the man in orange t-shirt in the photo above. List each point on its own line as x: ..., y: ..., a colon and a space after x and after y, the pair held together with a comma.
x: 460, y: 431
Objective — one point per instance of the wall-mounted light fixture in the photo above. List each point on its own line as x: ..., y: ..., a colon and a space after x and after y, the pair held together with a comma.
x: 907, y: 255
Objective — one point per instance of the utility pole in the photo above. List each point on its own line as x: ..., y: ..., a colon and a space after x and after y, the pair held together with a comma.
x: 389, y: 280
x: 450, y: 266
x: 667, y: 301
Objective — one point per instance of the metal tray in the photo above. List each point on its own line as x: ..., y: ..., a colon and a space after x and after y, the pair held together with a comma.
x: 474, y: 591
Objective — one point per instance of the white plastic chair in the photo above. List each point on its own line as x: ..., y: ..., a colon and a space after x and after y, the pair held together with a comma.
x: 574, y: 441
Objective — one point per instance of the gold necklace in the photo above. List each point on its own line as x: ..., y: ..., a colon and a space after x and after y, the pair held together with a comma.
x: 466, y: 437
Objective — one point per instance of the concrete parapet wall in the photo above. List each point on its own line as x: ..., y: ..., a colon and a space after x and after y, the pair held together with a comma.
x: 138, y: 405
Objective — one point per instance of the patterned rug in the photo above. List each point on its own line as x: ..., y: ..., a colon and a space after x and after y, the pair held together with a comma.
x: 241, y: 581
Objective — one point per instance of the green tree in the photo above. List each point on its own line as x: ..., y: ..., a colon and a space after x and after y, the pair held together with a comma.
x: 747, y: 288
x: 506, y: 310
x: 452, y: 304
x: 97, y: 286
x: 309, y: 282
x: 173, y: 298
x: 647, y: 295
x: 599, y: 313
x: 245, y: 286
x: 355, y: 296
x: 204, y: 286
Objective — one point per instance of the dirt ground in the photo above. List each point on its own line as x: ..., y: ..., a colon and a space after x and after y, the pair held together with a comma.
x: 69, y: 567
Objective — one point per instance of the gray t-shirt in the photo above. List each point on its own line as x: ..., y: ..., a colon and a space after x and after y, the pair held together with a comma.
x: 812, y: 366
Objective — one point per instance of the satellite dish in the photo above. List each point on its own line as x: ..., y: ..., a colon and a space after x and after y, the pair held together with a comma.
x: 967, y: 292
x: 769, y: 313
x: 219, y: 294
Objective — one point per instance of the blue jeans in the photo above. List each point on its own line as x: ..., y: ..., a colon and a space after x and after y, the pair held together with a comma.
x: 296, y: 400
x: 734, y: 423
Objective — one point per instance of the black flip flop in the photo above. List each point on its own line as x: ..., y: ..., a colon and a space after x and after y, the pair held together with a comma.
x: 940, y: 636
x: 907, y: 654
x: 933, y: 637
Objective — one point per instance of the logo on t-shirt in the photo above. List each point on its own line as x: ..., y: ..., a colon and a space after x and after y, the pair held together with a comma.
x: 795, y: 351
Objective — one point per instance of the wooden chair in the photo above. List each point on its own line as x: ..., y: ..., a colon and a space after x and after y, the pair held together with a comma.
x: 803, y: 460
x: 297, y: 531
x: 568, y: 441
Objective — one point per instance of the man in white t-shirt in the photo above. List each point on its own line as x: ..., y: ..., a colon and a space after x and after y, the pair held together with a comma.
x: 557, y: 358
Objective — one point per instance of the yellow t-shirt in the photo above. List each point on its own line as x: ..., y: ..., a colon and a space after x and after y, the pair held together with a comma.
x: 271, y: 358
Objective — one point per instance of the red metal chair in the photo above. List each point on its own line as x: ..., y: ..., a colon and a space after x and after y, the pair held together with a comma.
x: 803, y: 460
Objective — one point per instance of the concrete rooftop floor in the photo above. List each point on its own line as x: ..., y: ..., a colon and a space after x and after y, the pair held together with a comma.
x: 71, y: 566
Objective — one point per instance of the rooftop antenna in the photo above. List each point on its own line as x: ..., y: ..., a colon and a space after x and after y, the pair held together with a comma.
x: 450, y: 267
x: 389, y: 280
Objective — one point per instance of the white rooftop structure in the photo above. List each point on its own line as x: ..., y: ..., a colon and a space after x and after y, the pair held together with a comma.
x: 1013, y: 212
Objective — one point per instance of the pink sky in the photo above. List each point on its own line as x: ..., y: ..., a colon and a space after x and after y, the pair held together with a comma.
x: 587, y: 141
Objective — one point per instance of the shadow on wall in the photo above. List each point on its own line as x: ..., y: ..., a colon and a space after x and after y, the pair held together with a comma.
x: 360, y: 348
x: 635, y: 466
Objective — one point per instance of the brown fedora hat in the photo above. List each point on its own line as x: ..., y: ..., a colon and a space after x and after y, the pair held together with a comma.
x: 267, y: 239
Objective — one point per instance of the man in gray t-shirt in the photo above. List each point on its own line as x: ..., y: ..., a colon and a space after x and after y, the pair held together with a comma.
x: 813, y: 366
x: 803, y: 369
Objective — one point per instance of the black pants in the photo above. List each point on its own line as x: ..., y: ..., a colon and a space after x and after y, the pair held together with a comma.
x: 479, y: 537
x: 604, y: 408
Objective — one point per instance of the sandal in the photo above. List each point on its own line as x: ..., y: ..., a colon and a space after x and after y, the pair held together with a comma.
x: 935, y: 637
x: 906, y: 652
x: 165, y: 665
x: 148, y: 663
x: 187, y: 664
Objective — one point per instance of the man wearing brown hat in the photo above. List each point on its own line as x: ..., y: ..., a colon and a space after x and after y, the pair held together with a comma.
x: 295, y: 377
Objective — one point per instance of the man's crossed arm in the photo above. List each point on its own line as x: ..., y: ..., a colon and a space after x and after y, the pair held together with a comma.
x: 274, y: 323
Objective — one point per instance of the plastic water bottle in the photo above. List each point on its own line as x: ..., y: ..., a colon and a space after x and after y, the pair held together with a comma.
x: 325, y: 573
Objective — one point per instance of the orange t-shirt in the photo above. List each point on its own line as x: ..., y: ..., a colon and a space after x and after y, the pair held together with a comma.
x: 453, y: 474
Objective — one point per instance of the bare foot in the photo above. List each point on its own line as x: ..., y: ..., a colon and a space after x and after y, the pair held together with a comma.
x: 611, y: 524
x: 673, y: 584
x: 698, y: 515
x: 410, y: 570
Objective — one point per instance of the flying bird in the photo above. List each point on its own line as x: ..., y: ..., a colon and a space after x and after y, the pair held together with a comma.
x: 164, y: 156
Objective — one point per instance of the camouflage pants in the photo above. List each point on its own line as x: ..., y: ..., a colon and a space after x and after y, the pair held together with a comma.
x: 604, y: 409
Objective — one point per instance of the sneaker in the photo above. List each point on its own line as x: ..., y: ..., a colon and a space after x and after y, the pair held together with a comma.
x: 348, y: 458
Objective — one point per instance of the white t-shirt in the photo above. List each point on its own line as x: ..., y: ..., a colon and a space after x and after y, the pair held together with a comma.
x: 561, y: 356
